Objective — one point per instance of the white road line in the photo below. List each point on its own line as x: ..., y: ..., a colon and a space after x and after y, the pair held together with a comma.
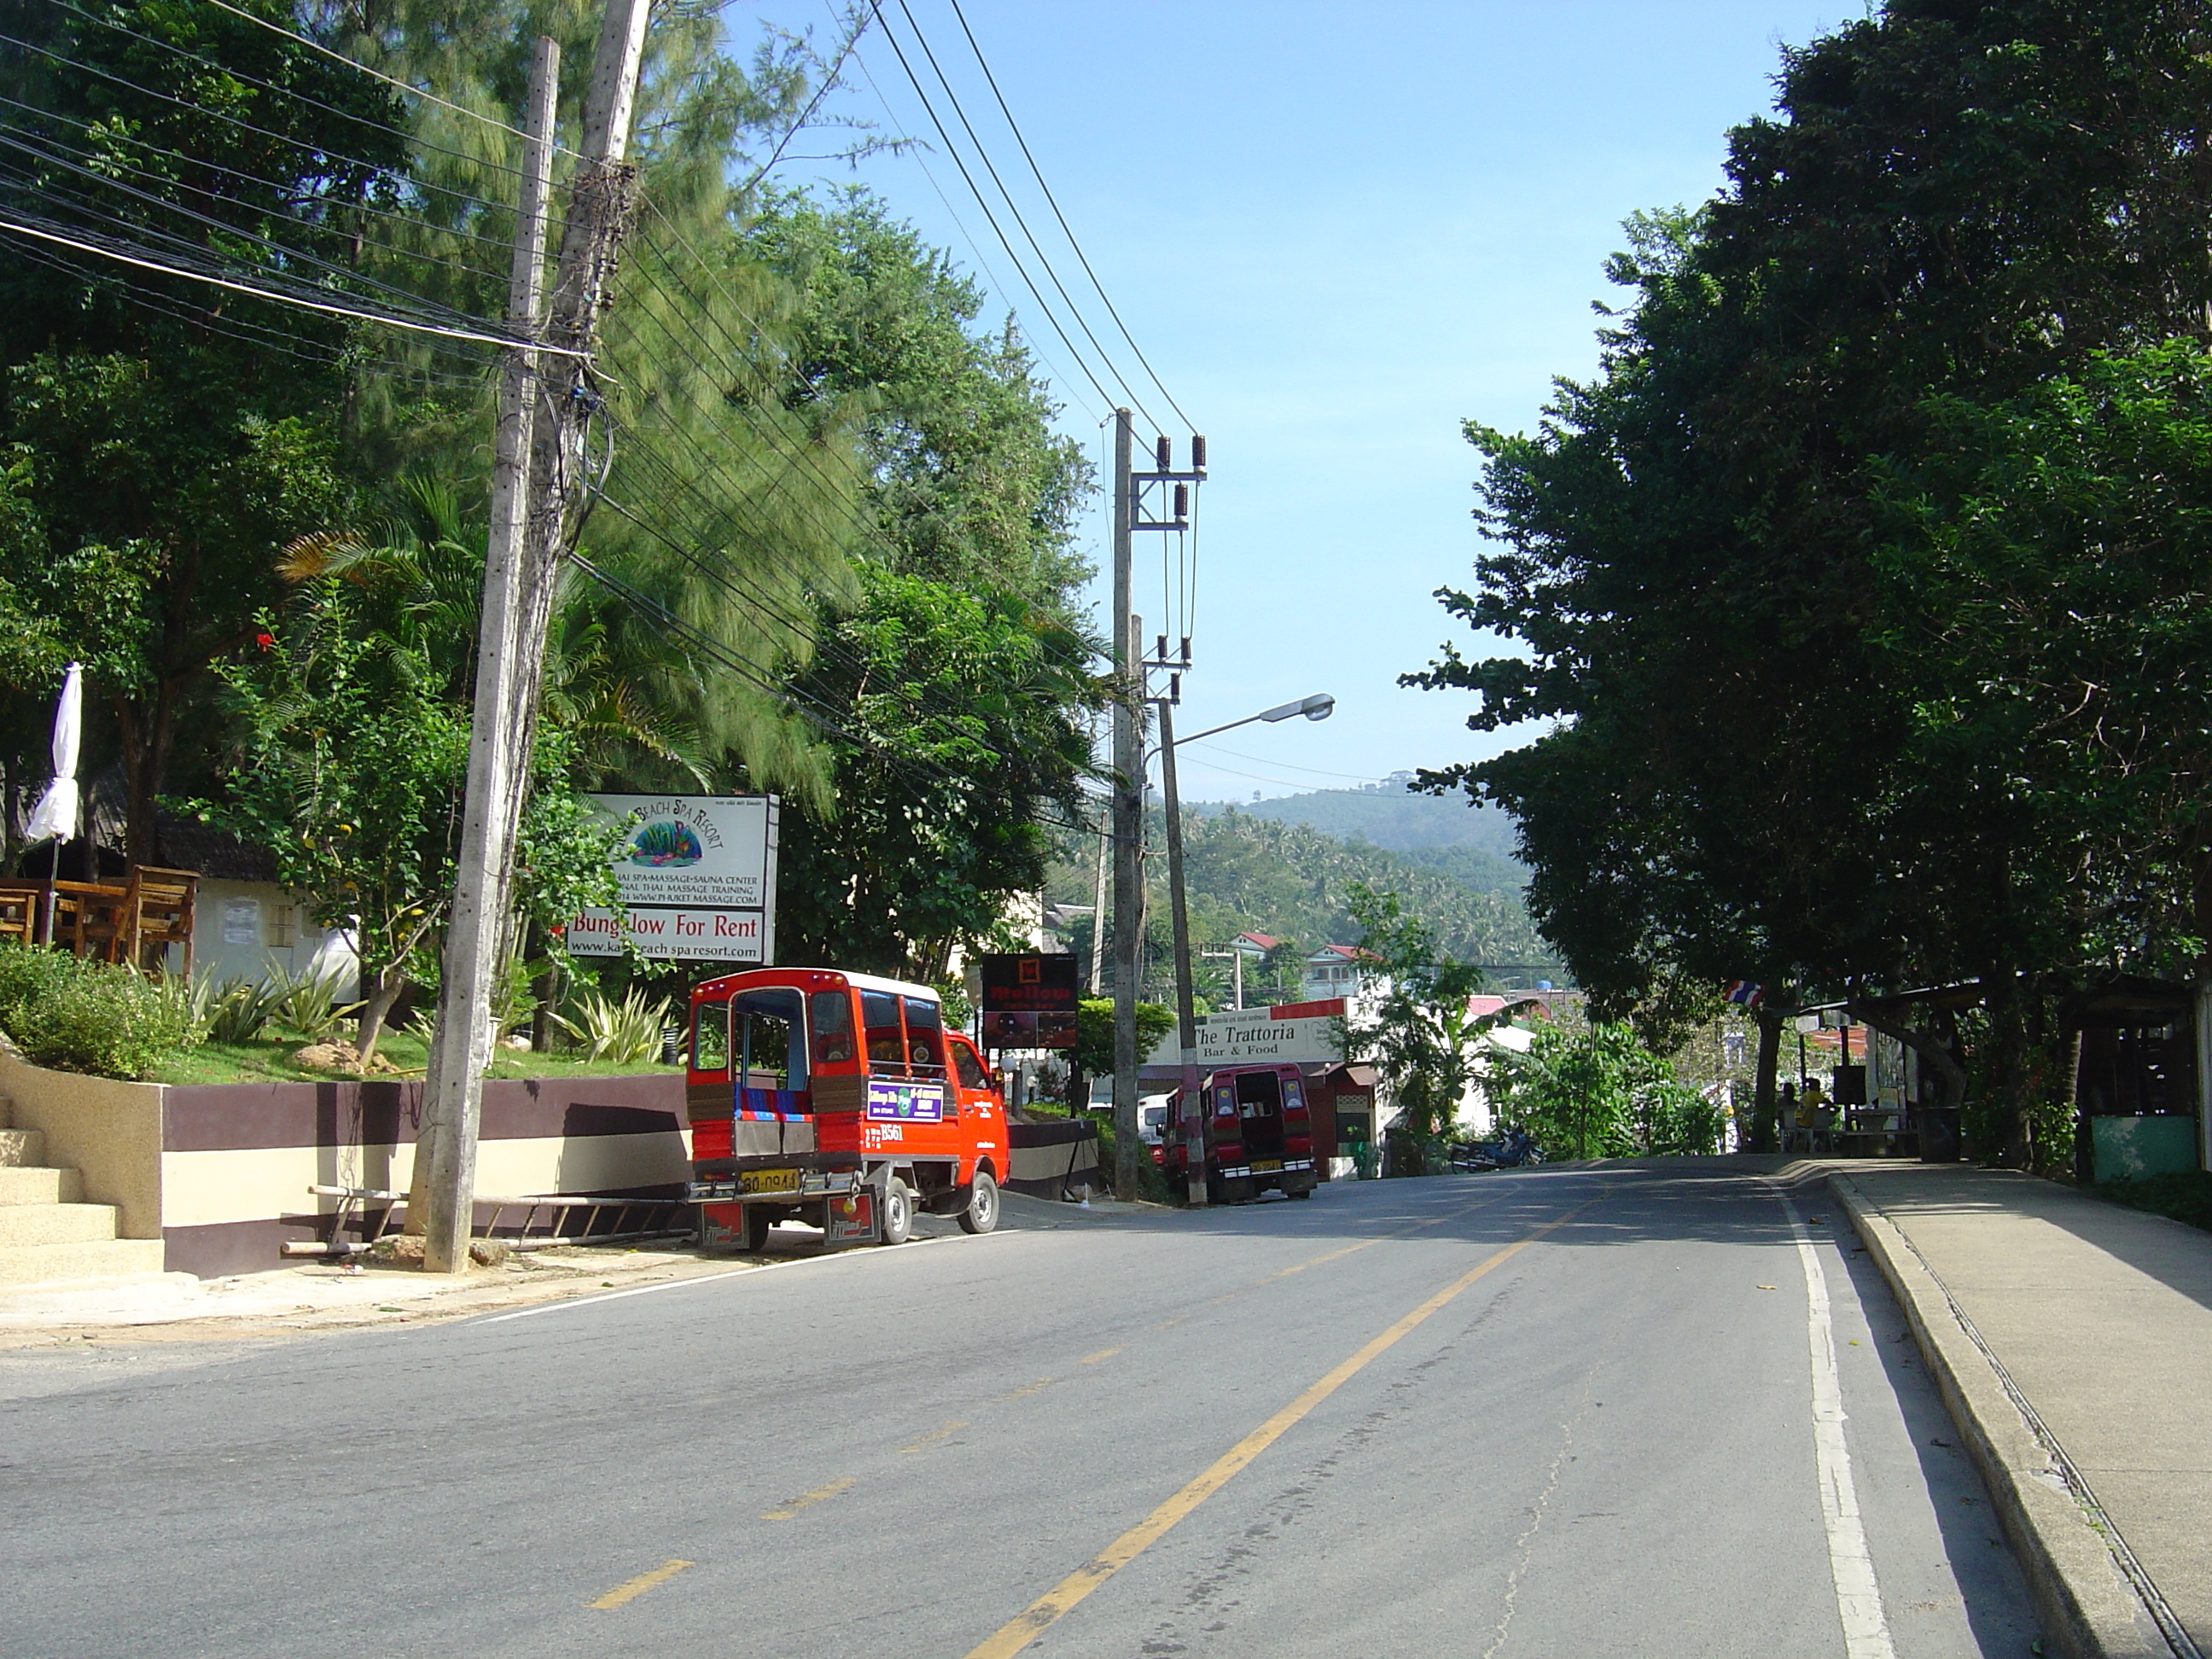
x: 1858, y: 1598
x: 862, y: 1254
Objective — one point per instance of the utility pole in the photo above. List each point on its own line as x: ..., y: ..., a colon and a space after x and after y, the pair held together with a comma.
x: 530, y: 532
x: 1128, y: 821
x: 1194, y: 1104
x: 1098, y: 916
x: 1235, y: 959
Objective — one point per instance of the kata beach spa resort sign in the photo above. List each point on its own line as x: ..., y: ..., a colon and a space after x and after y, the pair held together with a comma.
x: 697, y: 876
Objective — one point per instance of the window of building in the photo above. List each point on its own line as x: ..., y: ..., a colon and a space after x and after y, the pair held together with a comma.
x: 281, y: 934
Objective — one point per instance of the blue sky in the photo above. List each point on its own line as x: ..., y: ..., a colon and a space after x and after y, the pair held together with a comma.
x: 1336, y: 233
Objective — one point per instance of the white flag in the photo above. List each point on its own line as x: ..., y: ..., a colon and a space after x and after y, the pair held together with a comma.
x: 56, y: 812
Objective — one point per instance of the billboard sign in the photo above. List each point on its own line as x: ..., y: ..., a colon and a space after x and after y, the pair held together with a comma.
x: 696, y: 878
x: 1029, y: 1000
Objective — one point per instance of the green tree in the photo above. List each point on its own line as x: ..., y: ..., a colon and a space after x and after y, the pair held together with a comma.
x: 348, y: 764
x: 1419, y: 1035
x: 162, y: 437
x: 956, y: 726
x: 1600, y: 1093
x: 1949, y: 204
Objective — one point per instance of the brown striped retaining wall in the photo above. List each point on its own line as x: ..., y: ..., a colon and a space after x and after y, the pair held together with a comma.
x: 221, y: 1172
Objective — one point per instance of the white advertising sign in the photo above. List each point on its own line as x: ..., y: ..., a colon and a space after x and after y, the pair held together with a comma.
x: 696, y: 874
x: 1256, y: 1038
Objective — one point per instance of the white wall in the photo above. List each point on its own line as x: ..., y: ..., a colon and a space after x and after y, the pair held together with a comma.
x: 240, y: 928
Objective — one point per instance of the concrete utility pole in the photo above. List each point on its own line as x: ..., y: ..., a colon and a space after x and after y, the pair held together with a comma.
x: 1128, y: 822
x: 530, y: 533
x: 1194, y: 1104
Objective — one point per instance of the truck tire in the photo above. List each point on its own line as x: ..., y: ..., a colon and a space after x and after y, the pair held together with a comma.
x: 981, y: 1213
x: 758, y: 1220
x: 898, y: 1212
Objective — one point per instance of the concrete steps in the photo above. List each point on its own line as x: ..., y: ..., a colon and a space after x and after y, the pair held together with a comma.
x: 22, y: 1265
x: 40, y: 1185
x: 48, y: 1236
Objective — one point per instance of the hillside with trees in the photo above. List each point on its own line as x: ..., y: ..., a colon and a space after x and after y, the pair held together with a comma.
x: 1298, y: 885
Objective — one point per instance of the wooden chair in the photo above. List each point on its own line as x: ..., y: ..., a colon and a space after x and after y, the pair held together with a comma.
x: 88, y: 917
x: 19, y: 910
x: 157, y: 913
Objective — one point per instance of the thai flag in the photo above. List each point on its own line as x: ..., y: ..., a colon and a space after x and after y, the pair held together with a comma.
x: 1742, y: 993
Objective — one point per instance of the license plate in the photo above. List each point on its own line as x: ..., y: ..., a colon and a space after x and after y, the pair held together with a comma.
x: 1266, y: 1165
x: 768, y: 1181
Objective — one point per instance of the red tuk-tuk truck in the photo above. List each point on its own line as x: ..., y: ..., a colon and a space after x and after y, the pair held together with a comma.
x: 1259, y: 1135
x: 837, y: 1099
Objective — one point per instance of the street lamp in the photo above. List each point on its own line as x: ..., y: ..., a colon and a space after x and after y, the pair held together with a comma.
x: 1319, y: 706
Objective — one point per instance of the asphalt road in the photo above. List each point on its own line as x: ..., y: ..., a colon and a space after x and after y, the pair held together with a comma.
x: 1558, y: 1412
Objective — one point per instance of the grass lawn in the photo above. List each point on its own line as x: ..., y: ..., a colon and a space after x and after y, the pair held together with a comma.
x: 270, y: 1061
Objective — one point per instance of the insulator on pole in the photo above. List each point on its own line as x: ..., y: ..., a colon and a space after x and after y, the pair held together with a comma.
x: 1197, y: 452
x: 1174, y: 688
x: 1164, y: 448
x: 1186, y: 651
x: 1182, y: 501
x: 1161, y: 654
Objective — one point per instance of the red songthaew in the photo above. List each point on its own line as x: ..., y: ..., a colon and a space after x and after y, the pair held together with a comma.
x: 839, y: 1100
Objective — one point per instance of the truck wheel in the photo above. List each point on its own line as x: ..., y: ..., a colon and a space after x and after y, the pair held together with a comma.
x: 757, y: 1223
x: 898, y: 1212
x: 982, y: 1211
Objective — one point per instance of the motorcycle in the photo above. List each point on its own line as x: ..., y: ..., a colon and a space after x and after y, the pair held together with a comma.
x: 1512, y: 1151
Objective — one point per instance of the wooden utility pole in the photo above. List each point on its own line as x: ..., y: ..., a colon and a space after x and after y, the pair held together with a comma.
x: 530, y: 528
x: 1128, y: 822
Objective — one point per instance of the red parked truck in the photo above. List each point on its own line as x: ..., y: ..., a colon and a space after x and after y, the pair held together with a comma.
x: 840, y: 1100
x: 1259, y: 1136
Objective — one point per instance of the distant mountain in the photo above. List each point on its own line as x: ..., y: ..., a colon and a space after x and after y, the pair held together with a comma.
x: 1389, y: 817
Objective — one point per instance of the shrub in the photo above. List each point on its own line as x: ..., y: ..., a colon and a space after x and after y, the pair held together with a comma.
x: 236, y: 1011
x: 309, y: 1004
x: 625, y: 1033
x: 94, y: 1016
x: 27, y: 976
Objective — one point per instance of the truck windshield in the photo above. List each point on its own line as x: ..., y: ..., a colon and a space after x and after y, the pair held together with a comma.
x: 924, y: 1037
x: 879, y: 1015
x: 833, y: 1026
x: 769, y: 1032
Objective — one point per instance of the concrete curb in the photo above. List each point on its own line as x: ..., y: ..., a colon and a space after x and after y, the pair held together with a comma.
x: 2088, y: 1608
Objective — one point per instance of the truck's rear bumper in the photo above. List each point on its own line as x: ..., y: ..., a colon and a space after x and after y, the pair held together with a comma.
x: 728, y: 1187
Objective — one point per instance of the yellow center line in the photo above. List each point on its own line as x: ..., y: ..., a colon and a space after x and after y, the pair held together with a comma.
x: 638, y: 1586
x: 933, y: 1437
x: 1102, y: 1353
x: 1056, y: 1603
x: 1027, y: 1388
x: 793, y: 1505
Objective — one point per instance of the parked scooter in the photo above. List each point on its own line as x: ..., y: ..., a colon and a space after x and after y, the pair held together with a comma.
x: 1512, y: 1151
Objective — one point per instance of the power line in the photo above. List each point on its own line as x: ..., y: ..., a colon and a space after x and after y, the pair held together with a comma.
x: 411, y: 90
x: 283, y: 92
x: 984, y: 155
x: 1015, y: 127
x: 116, y: 251
x: 314, y: 152
x: 1050, y: 316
